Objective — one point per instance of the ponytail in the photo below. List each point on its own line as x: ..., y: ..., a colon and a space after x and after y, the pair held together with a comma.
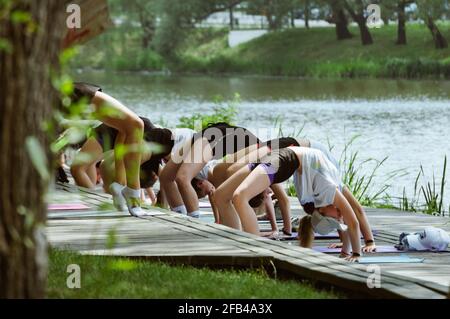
x: 305, y: 232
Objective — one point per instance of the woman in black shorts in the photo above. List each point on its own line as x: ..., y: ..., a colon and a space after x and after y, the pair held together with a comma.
x: 320, y: 182
x: 214, y: 142
x: 121, y: 127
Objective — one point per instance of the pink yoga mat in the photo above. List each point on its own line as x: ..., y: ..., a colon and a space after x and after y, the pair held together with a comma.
x: 380, y: 249
x: 69, y: 206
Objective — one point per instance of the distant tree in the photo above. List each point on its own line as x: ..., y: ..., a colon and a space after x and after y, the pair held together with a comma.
x: 179, y: 16
x: 275, y: 11
x: 338, y: 17
x: 31, y: 33
x: 401, y: 17
x: 146, y: 11
x: 429, y: 11
x: 356, y: 9
x: 395, y: 9
x: 306, y: 12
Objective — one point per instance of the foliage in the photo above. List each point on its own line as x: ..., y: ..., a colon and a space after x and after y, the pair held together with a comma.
x: 428, y: 197
x: 276, y: 12
x: 221, y: 113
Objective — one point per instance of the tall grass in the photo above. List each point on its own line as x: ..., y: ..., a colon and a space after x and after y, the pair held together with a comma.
x: 428, y: 196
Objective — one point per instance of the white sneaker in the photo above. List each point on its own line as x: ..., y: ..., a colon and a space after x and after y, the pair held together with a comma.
x: 118, y: 200
x: 133, y: 204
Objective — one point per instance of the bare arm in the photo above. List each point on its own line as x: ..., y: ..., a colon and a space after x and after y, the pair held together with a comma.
x: 214, y: 208
x: 366, y: 230
x: 270, y: 211
x: 351, y: 221
x: 285, y: 206
x: 346, y: 245
x: 151, y: 195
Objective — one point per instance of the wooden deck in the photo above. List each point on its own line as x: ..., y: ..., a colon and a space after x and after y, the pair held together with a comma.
x: 178, y: 239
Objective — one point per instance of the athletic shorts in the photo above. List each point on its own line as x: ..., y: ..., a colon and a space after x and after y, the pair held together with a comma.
x: 281, y: 142
x: 86, y: 90
x: 226, y: 139
x: 106, y: 135
x: 279, y: 165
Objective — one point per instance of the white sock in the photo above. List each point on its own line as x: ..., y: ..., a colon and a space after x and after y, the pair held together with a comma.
x: 116, y: 188
x: 180, y: 209
x: 118, y: 199
x: 195, y: 214
x: 130, y: 192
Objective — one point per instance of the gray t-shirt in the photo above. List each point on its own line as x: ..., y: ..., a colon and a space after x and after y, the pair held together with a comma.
x: 319, y: 180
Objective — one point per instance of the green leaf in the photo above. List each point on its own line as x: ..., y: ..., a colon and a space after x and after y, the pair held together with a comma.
x: 20, y: 17
x: 6, y: 46
x: 37, y: 157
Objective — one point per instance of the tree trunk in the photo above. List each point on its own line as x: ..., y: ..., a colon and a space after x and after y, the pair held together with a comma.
x: 440, y: 42
x: 231, y: 18
x: 366, y: 37
x: 148, y: 28
x: 342, y: 31
x: 401, y: 31
x: 307, y: 14
x: 26, y: 100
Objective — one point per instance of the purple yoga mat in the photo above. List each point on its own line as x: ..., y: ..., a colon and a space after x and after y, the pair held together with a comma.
x: 70, y: 206
x: 380, y: 249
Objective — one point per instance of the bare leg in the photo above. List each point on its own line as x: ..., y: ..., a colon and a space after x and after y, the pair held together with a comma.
x: 168, y: 184
x: 119, y: 165
x: 254, y: 184
x: 251, y: 157
x: 224, y: 195
x: 189, y: 169
x: 90, y: 153
x: 107, y: 171
x: 129, y: 125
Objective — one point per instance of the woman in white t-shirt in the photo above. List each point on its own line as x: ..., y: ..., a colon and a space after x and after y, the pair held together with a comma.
x: 320, y: 182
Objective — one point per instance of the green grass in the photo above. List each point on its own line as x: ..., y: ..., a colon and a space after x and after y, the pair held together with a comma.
x: 292, y: 52
x: 108, y: 277
x: 317, y: 53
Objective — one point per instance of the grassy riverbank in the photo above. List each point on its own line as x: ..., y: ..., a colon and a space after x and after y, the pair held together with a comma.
x: 107, y: 277
x: 292, y: 52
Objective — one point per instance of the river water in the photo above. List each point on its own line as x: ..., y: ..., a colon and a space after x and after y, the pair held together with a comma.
x: 406, y: 121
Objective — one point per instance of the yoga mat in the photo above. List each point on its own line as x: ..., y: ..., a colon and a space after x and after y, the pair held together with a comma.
x: 380, y: 249
x: 402, y: 259
x: 294, y: 236
x: 204, y: 205
x: 68, y: 206
x: 333, y: 235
